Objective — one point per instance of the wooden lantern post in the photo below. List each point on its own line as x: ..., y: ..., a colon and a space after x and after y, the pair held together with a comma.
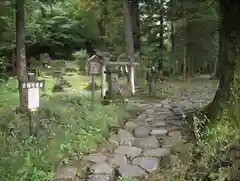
x: 94, y: 65
x: 103, y: 79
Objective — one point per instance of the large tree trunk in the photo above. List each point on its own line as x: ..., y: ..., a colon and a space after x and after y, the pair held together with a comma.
x: 191, y: 47
x: 220, y: 50
x: 230, y: 12
x: 161, y: 34
x: 20, y: 51
x: 173, y: 43
x: 129, y: 42
x: 190, y: 58
x: 14, y: 68
x: 134, y: 11
x: 90, y: 48
x: 102, y: 20
x: 135, y: 17
x: 184, y: 63
x: 173, y: 50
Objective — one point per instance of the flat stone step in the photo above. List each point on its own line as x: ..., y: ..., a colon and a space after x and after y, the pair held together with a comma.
x: 131, y: 171
x: 147, y: 143
x: 158, y: 132
x: 157, y: 152
x: 149, y: 164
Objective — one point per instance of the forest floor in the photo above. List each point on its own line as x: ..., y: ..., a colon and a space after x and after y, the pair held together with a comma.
x: 154, y: 143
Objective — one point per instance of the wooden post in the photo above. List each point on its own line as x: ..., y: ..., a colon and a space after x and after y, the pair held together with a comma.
x: 103, y: 80
x: 94, y: 67
x: 32, y: 113
x: 110, y: 85
x: 93, y: 89
x: 149, y: 82
x: 131, y: 77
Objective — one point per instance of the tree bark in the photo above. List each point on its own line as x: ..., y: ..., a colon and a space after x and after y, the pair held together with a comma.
x: 173, y: 50
x: 134, y: 12
x: 190, y: 57
x: 191, y: 47
x: 220, y: 50
x: 21, y: 52
x: 184, y: 64
x: 230, y: 13
x: 173, y: 43
x: 90, y: 48
x: 161, y: 40
x: 102, y: 20
x: 129, y: 42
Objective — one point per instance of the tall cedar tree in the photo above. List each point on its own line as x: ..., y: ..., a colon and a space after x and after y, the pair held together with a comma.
x: 230, y: 12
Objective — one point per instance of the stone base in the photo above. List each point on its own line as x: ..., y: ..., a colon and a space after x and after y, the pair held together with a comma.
x: 106, y: 101
x: 57, y: 88
x: 20, y: 110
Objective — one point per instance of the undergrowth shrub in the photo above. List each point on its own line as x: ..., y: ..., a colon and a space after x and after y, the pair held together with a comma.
x: 217, y: 137
x: 69, y: 128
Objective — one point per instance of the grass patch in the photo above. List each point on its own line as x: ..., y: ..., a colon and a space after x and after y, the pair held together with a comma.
x: 69, y: 128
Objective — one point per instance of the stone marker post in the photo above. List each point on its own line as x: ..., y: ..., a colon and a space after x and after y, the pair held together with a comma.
x: 57, y: 81
x: 103, y: 80
x: 151, y: 82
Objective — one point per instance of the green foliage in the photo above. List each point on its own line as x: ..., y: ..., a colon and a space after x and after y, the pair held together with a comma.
x: 81, y: 58
x: 62, y: 27
x: 214, y: 141
x: 3, y: 67
x: 69, y: 128
x: 58, y: 64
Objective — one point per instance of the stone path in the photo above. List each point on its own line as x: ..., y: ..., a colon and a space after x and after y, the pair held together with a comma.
x: 154, y: 139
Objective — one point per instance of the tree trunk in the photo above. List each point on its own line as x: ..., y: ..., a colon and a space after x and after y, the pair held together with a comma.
x: 230, y: 13
x: 184, y: 64
x: 134, y: 12
x: 173, y: 50
x: 190, y: 58
x: 190, y: 47
x: 14, y: 64
x: 129, y: 42
x: 102, y: 20
x: 173, y: 43
x: 135, y: 17
x: 220, y: 50
x: 20, y: 52
x: 161, y: 40
x: 90, y: 48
